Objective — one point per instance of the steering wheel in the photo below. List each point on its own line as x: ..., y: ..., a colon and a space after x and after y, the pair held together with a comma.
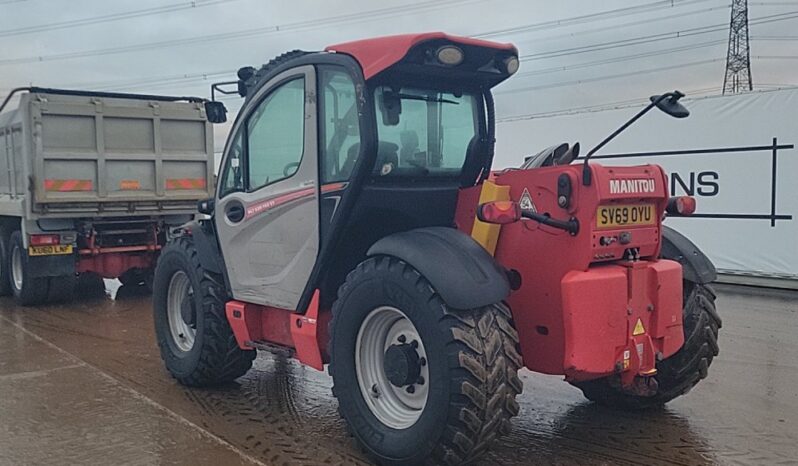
x: 290, y: 169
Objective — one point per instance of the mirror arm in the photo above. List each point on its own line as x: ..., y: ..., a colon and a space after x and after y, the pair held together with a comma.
x: 586, y: 173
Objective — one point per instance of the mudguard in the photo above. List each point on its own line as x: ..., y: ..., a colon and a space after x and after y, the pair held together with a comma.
x: 207, y: 247
x: 696, y: 266
x: 459, y: 269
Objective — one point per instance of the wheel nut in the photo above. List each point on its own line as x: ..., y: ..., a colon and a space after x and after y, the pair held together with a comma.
x: 420, y: 380
x: 423, y: 361
x: 411, y: 389
x: 414, y: 344
x: 402, y: 338
x: 375, y: 392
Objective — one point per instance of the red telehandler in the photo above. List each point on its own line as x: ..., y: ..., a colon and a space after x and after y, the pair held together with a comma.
x: 357, y: 223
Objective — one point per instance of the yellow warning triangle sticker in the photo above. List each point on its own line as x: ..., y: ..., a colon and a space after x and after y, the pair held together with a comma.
x: 639, y: 329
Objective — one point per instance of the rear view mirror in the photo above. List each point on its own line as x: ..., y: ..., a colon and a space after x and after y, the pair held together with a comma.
x: 216, y: 112
x: 391, y: 108
x: 671, y: 105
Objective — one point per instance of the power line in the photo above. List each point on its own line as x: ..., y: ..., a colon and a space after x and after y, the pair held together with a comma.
x: 608, y: 77
x: 235, y: 35
x: 653, y: 38
x: 597, y: 107
x: 590, y: 17
x: 646, y: 21
x: 621, y: 58
x: 112, y: 17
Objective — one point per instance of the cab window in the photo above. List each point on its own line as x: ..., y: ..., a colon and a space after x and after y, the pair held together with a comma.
x: 339, y: 125
x: 275, y: 135
x: 269, y: 146
x: 424, y: 132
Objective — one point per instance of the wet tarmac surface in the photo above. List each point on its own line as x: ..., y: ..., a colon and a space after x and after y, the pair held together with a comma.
x: 84, y: 384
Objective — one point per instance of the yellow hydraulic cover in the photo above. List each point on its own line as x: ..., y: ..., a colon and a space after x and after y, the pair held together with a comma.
x: 483, y: 233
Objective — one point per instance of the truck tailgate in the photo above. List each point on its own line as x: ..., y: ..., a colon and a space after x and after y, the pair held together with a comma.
x: 111, y: 154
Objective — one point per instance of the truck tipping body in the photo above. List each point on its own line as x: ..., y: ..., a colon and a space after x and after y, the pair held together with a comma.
x: 96, y: 179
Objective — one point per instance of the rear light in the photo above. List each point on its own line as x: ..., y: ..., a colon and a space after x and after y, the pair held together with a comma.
x: 499, y: 212
x: 44, y: 240
x: 681, y: 206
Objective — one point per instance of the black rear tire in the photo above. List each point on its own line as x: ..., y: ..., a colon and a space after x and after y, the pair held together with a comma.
x: 473, y: 361
x: 61, y: 289
x: 215, y: 357
x: 5, y: 281
x: 32, y: 291
x: 680, y: 372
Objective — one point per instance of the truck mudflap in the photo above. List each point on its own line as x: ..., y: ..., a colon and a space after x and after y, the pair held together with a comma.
x: 621, y: 319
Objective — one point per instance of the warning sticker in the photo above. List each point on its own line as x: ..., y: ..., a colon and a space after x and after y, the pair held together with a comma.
x: 526, y: 202
x: 639, y: 329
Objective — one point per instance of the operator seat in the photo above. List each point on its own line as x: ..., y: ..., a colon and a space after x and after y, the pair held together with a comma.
x: 386, y: 154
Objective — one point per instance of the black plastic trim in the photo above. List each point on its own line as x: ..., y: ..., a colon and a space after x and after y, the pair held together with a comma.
x: 210, y: 256
x: 696, y: 266
x: 460, y: 270
x: 51, y: 266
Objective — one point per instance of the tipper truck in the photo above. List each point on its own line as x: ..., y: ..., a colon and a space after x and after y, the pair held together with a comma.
x: 92, y: 182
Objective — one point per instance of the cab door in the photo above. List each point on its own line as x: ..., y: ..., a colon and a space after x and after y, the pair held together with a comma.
x: 267, y: 208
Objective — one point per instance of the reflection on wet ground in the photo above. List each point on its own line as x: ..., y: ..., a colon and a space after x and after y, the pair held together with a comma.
x: 83, y: 384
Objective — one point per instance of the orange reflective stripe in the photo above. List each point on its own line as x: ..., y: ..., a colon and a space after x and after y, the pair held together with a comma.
x: 185, y: 183
x: 68, y: 185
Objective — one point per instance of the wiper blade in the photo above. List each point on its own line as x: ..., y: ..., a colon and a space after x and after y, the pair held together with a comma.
x: 426, y: 98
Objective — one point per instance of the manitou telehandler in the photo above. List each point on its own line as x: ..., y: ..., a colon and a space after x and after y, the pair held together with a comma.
x: 357, y: 223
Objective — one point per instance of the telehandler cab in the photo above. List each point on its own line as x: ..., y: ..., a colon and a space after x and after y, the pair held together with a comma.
x: 357, y: 223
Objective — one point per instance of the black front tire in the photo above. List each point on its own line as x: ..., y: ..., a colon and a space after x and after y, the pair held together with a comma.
x: 680, y: 372
x: 215, y: 357
x: 33, y: 290
x: 473, y: 362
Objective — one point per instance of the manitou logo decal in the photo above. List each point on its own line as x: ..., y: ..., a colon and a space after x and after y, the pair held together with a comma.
x: 638, y: 186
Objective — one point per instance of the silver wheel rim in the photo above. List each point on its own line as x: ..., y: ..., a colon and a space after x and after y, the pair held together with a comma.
x: 393, y: 406
x: 16, y: 267
x: 180, y: 291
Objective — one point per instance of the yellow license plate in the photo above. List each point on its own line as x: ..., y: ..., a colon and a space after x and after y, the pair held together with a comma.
x: 622, y: 215
x: 53, y: 250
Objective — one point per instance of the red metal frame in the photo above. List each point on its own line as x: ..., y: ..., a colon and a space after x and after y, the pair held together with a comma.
x: 378, y: 54
x: 580, y: 301
x: 254, y: 325
x: 112, y: 262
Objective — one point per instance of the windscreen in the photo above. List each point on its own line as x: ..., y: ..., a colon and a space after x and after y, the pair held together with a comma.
x: 423, y: 132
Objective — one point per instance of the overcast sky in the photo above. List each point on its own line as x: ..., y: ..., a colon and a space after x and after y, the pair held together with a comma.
x: 575, y: 54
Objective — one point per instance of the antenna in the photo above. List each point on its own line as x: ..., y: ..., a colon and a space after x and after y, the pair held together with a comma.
x: 738, y: 58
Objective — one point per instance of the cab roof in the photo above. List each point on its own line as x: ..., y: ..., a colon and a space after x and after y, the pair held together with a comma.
x: 378, y: 54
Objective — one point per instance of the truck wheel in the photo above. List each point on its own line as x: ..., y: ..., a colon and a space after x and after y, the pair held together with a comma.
x: 137, y: 277
x: 5, y: 281
x: 415, y: 379
x: 27, y: 290
x: 680, y: 372
x: 196, y: 342
x: 61, y: 289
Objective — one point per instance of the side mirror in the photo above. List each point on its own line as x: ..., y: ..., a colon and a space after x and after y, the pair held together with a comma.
x: 671, y: 105
x: 205, y: 206
x: 499, y: 212
x: 216, y: 112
